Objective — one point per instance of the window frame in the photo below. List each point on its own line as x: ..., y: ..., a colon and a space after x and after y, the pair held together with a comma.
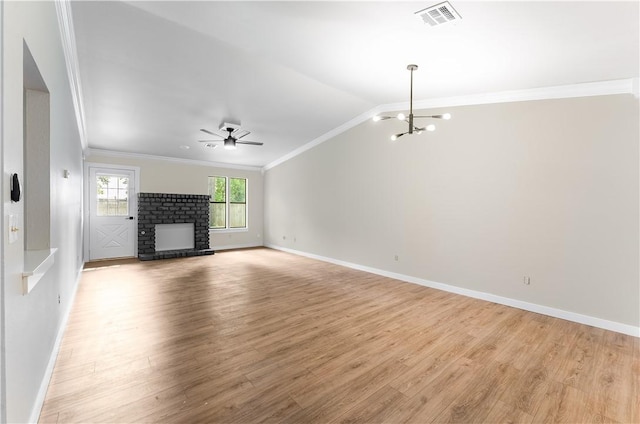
x: 227, y: 203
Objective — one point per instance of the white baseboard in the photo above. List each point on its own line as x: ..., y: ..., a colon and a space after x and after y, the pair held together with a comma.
x: 532, y: 307
x: 236, y: 246
x: 44, y: 385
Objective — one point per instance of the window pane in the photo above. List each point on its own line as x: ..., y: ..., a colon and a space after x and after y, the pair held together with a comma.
x: 212, y: 187
x: 217, y: 189
x: 112, y: 195
x: 217, y: 215
x: 237, y: 215
x: 123, y: 207
x: 237, y: 190
x: 123, y: 182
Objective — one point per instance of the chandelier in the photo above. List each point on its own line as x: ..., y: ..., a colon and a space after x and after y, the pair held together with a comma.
x: 410, y: 119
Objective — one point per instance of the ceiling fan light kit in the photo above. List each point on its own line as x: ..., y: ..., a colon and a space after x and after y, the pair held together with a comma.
x: 410, y: 119
x: 229, y: 143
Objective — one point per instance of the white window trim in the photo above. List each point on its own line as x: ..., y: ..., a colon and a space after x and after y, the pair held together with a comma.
x: 229, y: 230
x: 228, y: 202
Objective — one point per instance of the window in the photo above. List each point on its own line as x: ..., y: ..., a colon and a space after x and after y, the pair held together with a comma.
x: 228, y: 203
x: 113, y: 195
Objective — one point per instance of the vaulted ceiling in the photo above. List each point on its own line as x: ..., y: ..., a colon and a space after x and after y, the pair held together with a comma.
x: 154, y: 73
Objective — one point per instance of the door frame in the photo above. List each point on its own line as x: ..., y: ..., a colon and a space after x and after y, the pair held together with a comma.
x: 133, y: 205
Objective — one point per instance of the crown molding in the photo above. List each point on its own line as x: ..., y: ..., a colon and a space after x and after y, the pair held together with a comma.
x: 602, y: 88
x: 67, y: 35
x: 324, y: 137
x: 589, y: 89
x: 114, y: 153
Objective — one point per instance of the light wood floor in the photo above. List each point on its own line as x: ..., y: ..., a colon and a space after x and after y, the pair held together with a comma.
x: 264, y: 336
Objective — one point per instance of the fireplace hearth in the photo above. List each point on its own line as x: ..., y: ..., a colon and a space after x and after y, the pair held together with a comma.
x: 164, y: 208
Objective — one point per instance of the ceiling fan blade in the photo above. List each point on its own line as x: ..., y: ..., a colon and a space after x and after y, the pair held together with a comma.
x: 209, y: 132
x: 243, y: 133
x: 254, y: 143
x: 210, y: 141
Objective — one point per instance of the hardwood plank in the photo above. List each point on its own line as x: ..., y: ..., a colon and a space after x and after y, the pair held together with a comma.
x: 265, y: 336
x: 479, y: 396
x: 336, y: 397
x: 526, y: 392
x: 416, y: 378
x: 435, y: 398
x: 608, y: 376
x: 579, y: 362
x: 377, y: 408
x: 49, y: 419
x: 561, y: 404
x: 506, y: 414
x: 635, y: 388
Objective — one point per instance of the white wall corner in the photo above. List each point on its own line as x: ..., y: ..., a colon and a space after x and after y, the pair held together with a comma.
x: 68, y: 37
x: 324, y: 137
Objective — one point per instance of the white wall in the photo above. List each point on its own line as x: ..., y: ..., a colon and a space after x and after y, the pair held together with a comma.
x: 3, y: 404
x: 33, y: 322
x: 546, y: 189
x: 163, y: 176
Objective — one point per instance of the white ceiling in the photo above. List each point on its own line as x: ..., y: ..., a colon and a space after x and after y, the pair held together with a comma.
x: 154, y: 73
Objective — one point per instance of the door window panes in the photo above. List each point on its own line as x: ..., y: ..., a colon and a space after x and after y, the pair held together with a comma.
x: 112, y: 195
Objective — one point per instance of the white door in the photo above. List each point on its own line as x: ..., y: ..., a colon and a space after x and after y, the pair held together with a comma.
x: 112, y: 213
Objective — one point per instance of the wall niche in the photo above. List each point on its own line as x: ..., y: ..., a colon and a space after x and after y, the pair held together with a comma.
x: 37, y: 171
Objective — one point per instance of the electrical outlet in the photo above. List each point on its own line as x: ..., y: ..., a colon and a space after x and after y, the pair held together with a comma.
x: 526, y: 280
x: 284, y: 237
x: 58, y: 299
x: 396, y: 257
x: 13, y: 228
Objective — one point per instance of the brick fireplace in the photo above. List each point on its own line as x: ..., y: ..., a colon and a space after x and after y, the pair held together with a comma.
x: 164, y: 208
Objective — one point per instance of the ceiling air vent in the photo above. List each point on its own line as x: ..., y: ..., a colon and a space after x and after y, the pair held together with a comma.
x: 439, y: 14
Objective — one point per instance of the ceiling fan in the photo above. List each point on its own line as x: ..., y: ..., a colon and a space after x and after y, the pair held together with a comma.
x: 232, y: 138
